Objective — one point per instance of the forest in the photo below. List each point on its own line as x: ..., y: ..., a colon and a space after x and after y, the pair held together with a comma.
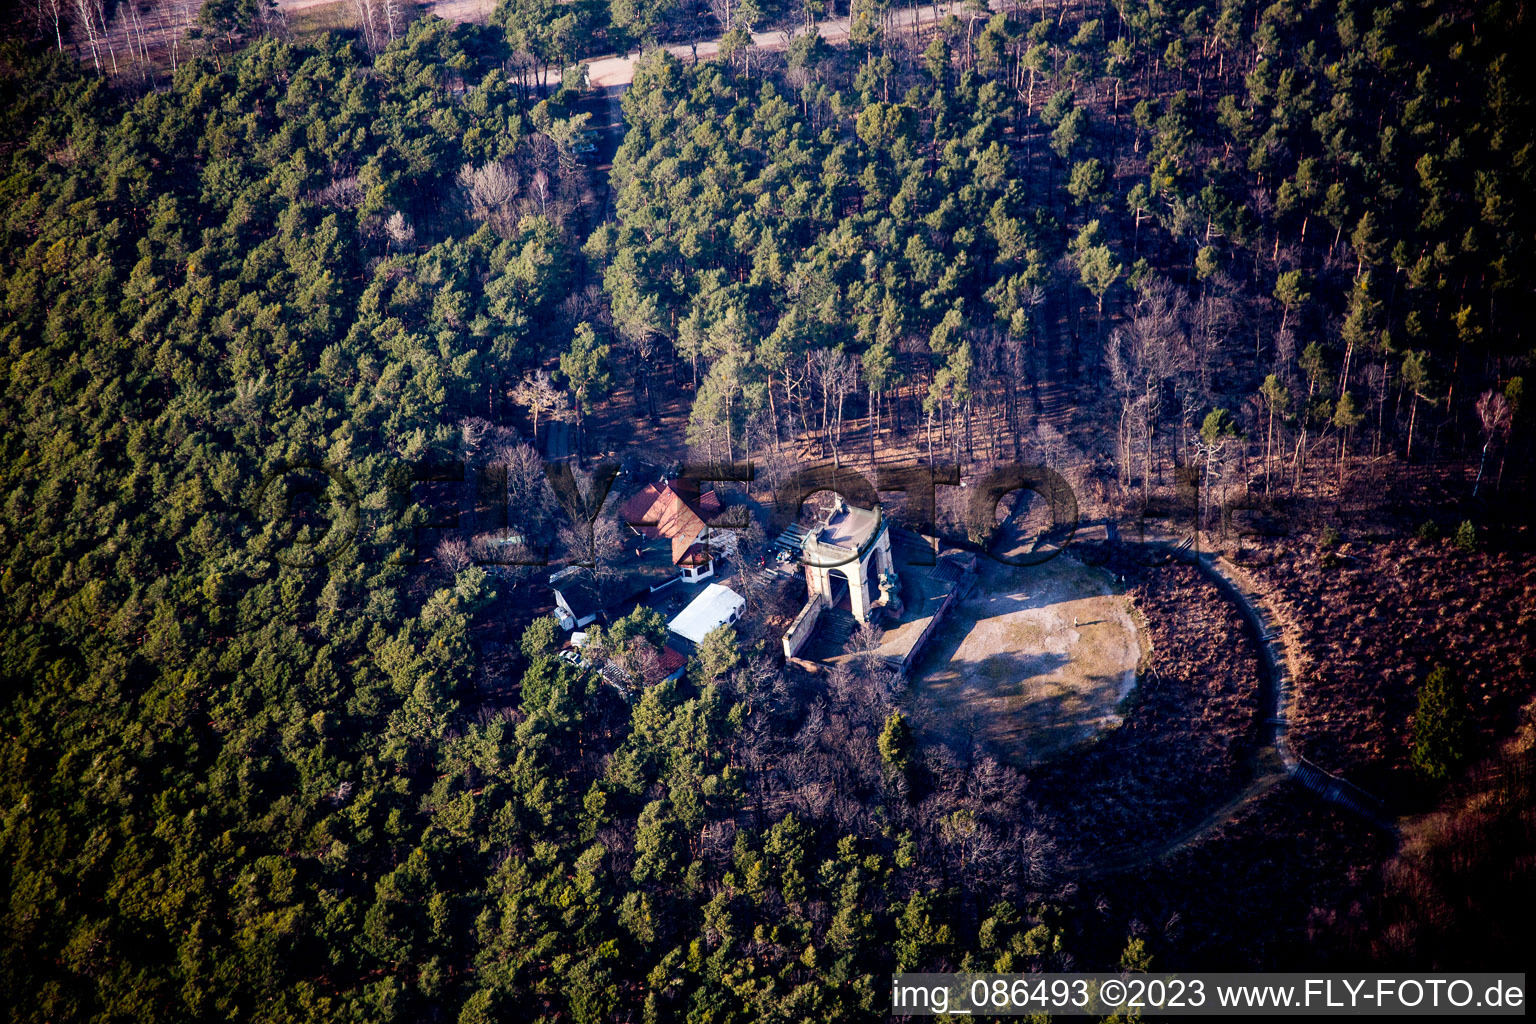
x: 1287, y: 245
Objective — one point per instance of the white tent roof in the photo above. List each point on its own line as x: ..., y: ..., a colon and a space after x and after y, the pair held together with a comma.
x: 716, y: 606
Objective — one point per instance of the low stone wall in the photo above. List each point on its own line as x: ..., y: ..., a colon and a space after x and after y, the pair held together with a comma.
x: 801, y: 629
x: 958, y: 592
x: 928, y: 631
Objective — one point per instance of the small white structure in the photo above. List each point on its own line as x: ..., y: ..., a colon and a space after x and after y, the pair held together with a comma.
x: 715, y: 607
x: 852, y: 547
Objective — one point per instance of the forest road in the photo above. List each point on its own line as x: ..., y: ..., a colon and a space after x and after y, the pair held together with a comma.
x: 1273, y: 760
x: 476, y: 11
x: 619, y: 71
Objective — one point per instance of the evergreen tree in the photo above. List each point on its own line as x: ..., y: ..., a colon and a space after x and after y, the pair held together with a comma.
x: 1441, y: 732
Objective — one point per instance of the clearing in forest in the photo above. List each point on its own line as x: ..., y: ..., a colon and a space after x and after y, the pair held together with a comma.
x: 1034, y: 661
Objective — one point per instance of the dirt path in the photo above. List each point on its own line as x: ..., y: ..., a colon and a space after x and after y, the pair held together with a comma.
x: 476, y: 11
x: 1262, y: 783
x: 1274, y: 761
x: 619, y: 70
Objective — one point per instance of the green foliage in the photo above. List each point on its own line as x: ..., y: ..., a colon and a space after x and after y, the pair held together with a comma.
x: 585, y: 367
x: 1466, y: 536
x: 1514, y: 390
x: 642, y: 622
x: 228, y: 17
x: 1441, y: 726
x: 1087, y: 183
x: 1136, y: 957
x: 1347, y: 414
x: 639, y: 20
x: 1067, y: 136
x: 542, y: 638
x: 1314, y: 363
x: 238, y: 788
x: 1276, y: 395
x: 286, y: 771
x: 896, y: 742
x: 1218, y: 424
x: 1057, y: 107
x: 1207, y: 262
x: 717, y: 654
x: 1291, y: 290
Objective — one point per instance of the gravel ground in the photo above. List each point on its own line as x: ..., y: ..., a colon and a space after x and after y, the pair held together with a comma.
x: 1032, y: 662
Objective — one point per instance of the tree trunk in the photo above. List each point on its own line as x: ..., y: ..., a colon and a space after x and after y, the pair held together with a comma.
x: 1269, y: 447
x: 1413, y: 415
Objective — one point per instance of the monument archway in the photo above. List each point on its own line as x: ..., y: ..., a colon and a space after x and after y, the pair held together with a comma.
x: 852, y: 545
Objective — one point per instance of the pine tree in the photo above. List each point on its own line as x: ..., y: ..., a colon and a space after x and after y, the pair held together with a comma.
x: 896, y: 742
x: 1346, y: 417
x: 541, y: 639
x: 1441, y: 730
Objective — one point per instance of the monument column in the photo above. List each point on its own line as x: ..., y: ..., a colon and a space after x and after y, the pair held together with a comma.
x: 817, y: 583
x: 858, y: 592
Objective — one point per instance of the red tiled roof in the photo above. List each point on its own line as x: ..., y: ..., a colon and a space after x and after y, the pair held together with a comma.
x: 697, y: 554
x: 671, y: 659
x: 658, y: 510
x: 679, y: 523
x: 637, y: 510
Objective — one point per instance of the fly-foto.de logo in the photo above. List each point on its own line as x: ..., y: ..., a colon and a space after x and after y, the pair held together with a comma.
x: 310, y: 513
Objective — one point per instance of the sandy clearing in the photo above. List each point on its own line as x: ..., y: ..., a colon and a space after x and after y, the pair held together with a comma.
x: 1034, y: 661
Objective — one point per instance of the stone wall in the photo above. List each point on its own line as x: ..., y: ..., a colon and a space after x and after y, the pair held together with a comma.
x: 804, y: 625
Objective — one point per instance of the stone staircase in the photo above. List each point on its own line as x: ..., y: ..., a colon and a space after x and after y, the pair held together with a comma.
x: 833, y: 629
x: 946, y: 572
x: 1339, y: 791
x: 791, y: 539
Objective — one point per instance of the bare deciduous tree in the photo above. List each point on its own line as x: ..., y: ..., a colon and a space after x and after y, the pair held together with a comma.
x: 599, y: 546
x: 85, y: 25
x: 529, y: 498
x: 343, y: 193
x: 473, y: 431
x: 538, y: 393
x: 399, y: 230
x: 1494, y: 413
x: 380, y: 21
x: 50, y: 12
x: 834, y: 374
x: 1141, y: 359
x: 453, y: 555
x: 491, y: 190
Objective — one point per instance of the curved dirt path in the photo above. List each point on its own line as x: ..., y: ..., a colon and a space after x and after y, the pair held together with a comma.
x: 1274, y: 762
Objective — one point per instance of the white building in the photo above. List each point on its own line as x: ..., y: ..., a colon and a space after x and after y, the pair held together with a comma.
x: 715, y: 607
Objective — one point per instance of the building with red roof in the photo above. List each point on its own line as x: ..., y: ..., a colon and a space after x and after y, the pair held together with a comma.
x: 667, y: 511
